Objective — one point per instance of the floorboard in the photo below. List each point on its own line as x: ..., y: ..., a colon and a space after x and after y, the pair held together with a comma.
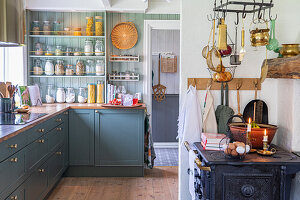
x: 159, y: 183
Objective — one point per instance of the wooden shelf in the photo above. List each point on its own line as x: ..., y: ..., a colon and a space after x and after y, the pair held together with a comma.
x: 123, y: 78
x: 74, y: 76
x: 99, y: 57
x: 64, y: 36
x: 124, y: 58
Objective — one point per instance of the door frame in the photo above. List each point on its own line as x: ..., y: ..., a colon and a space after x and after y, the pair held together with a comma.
x: 150, y: 25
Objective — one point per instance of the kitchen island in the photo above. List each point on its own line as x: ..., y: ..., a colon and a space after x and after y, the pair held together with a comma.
x: 74, y: 140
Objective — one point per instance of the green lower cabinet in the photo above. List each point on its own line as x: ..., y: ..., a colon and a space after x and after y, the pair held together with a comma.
x: 55, y: 166
x: 81, y: 137
x: 37, y: 183
x: 119, y: 137
x: 18, y: 194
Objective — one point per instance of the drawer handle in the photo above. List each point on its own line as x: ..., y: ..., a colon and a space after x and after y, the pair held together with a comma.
x: 58, y: 120
x: 97, y: 111
x: 41, y: 130
x: 58, y: 129
x: 41, y: 141
x: 14, y: 197
x: 14, y: 160
x: 66, y: 113
x: 42, y: 170
x: 58, y: 153
x: 13, y: 146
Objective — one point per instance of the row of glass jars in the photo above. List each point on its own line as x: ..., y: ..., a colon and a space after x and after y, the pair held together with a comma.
x: 59, y: 69
x: 46, y: 28
x: 59, y: 50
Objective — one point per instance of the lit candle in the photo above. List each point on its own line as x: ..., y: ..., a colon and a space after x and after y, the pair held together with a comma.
x: 265, y: 136
x: 249, y: 126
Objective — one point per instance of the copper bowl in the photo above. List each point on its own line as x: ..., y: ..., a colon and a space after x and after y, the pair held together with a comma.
x: 259, y: 37
x: 289, y: 50
x: 256, y: 133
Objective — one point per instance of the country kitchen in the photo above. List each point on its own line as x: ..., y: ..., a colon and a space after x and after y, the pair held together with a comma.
x: 149, y: 99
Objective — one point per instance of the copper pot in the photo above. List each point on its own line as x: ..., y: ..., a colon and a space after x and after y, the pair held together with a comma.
x: 259, y: 37
x: 256, y: 134
x: 289, y: 50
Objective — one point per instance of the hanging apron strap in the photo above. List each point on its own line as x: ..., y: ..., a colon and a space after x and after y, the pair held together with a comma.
x: 222, y: 94
x: 226, y: 95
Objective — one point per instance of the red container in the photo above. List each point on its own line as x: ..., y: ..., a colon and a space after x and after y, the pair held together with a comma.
x: 256, y: 134
x: 135, y: 101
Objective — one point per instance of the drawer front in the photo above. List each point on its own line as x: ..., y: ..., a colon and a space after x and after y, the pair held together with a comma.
x: 11, y: 170
x: 55, y: 165
x: 58, y: 119
x: 12, y: 145
x: 56, y: 136
x: 18, y: 194
x: 35, y: 152
x: 36, y: 184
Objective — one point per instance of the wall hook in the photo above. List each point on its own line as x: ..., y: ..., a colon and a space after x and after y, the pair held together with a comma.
x: 244, y: 12
x: 239, y: 84
x: 270, y: 16
x: 237, y: 19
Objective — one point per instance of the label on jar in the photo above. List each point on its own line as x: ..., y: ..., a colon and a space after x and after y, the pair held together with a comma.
x: 49, y: 69
x: 69, y: 72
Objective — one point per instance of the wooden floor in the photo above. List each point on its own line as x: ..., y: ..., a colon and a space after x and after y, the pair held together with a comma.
x: 159, y: 183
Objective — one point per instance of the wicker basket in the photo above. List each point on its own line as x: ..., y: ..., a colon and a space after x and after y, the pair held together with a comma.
x: 124, y: 35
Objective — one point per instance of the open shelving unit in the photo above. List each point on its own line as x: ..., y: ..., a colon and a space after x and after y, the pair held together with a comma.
x: 67, y: 19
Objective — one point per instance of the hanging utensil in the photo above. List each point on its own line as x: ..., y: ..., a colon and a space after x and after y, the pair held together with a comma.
x: 243, y: 50
x: 235, y: 59
x: 214, y: 59
x: 159, y: 90
x: 273, y: 42
x: 238, y: 87
x: 222, y: 42
x: 205, y: 49
x: 264, y: 69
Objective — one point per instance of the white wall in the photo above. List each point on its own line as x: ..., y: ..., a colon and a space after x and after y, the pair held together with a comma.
x: 163, y: 7
x: 166, y: 41
x: 194, y: 35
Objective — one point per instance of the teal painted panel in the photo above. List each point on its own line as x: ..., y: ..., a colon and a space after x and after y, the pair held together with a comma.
x: 18, y: 194
x: 56, y: 136
x: 81, y: 137
x: 119, y: 137
x: 55, y: 165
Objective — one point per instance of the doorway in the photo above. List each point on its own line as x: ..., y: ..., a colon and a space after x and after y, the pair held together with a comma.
x: 162, y: 40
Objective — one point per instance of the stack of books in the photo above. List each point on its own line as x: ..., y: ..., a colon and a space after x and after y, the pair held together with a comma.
x: 211, y: 141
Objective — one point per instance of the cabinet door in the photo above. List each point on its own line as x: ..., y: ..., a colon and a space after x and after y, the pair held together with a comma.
x: 119, y: 137
x: 55, y: 165
x: 18, y: 194
x: 81, y: 137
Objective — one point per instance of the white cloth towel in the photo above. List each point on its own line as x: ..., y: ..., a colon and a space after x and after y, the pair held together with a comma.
x: 192, y: 157
x: 209, y: 117
x: 35, y: 95
x: 190, y: 118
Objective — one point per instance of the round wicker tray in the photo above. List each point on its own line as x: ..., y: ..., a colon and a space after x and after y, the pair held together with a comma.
x: 124, y: 35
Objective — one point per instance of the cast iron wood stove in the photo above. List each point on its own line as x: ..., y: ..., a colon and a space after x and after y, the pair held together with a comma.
x: 253, y: 178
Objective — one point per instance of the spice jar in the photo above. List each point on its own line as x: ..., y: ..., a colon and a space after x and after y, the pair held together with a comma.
x: 82, y: 95
x: 100, y: 68
x: 36, y: 27
x: 89, y: 26
x: 49, y: 68
x: 50, y: 96
x: 70, y: 95
x: 67, y: 30
x: 90, y: 67
x: 91, y: 93
x: 80, y: 68
x: 69, y: 70
x: 99, y: 48
x: 69, y: 51
x: 47, y: 28
x: 59, y: 50
x: 77, y: 32
x: 60, y: 95
x: 100, y: 91
x: 57, y: 28
x: 37, y: 68
x: 98, y: 25
x: 38, y: 49
x: 88, y: 48
x: 77, y: 51
x: 49, y: 50
x: 59, y: 68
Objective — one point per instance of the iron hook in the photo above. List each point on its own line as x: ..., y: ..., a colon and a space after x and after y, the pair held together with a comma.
x: 253, y: 19
x: 270, y: 16
x: 237, y: 19
x: 244, y: 13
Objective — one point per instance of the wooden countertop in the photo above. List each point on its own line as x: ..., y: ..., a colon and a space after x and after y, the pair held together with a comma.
x: 8, y: 131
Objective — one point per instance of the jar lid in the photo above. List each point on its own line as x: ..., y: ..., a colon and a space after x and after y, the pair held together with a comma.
x: 88, y: 17
x: 61, y: 88
x: 77, y: 29
x: 98, y: 17
x: 56, y: 22
x: 46, y: 22
x: 36, y: 21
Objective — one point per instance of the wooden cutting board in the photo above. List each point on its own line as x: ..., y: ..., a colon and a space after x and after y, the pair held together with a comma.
x: 7, y: 93
x: 3, y: 88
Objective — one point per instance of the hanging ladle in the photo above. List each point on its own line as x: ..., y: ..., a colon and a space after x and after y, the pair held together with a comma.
x: 235, y: 59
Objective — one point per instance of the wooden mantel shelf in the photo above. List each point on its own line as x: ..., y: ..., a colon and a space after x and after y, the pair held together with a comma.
x: 283, y: 67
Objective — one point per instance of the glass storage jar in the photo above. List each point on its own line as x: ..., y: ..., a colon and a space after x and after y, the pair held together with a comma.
x: 59, y: 68
x: 49, y: 68
x: 98, y: 25
x: 57, y: 28
x: 50, y: 96
x: 80, y: 69
x: 60, y: 95
x: 89, y: 26
x: 49, y: 50
x: 69, y: 70
x: 91, y: 93
x: 99, y: 48
x: 37, y: 67
x: 82, y: 96
x: 100, y: 70
x: 77, y: 51
x: 90, y: 67
x: 35, y: 27
x: 47, y: 28
x: 70, y: 95
x: 69, y: 51
x: 100, y: 92
x: 88, y: 48
x: 77, y: 32
x: 38, y: 51
x: 59, y: 50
